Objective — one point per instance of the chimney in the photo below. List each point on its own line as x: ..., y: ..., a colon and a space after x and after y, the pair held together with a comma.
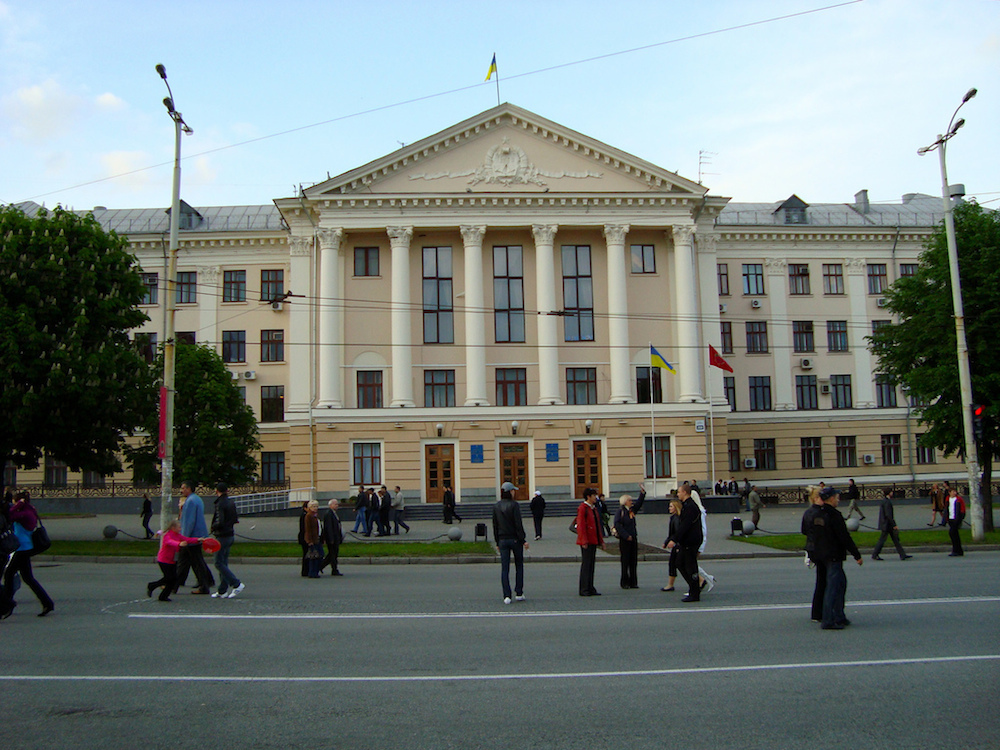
x: 861, y: 201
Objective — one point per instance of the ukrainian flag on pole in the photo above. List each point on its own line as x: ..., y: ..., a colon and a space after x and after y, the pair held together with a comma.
x: 493, y: 67
x: 656, y: 360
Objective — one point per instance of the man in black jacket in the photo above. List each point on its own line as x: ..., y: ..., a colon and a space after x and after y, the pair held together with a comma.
x: 223, y: 521
x: 508, y: 531
x: 332, y: 536
x: 887, y: 525
x: 689, y: 539
x: 538, y: 512
x: 833, y: 541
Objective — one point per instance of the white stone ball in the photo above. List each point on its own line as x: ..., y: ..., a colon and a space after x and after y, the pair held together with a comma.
x: 455, y: 534
x: 748, y: 528
x: 853, y: 524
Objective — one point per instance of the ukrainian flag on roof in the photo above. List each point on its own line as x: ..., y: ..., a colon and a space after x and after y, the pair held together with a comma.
x: 656, y: 360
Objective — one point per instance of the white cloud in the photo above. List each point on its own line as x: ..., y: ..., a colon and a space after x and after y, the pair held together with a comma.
x: 42, y: 112
x: 125, y: 163
x: 109, y: 102
x: 204, y: 173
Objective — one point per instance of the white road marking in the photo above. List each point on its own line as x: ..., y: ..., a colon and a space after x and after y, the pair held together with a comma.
x: 501, y: 677
x: 694, y: 610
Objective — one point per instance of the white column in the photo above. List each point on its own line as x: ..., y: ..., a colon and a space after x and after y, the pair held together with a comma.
x: 330, y: 358
x: 689, y: 357
x: 208, y: 306
x: 298, y: 337
x: 548, y: 330
x: 620, y: 354
x: 711, y: 332
x: 402, y: 359
x: 779, y: 333
x: 862, y: 382
x: 475, y: 318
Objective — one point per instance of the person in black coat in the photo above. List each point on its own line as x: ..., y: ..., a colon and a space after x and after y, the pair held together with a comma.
x: 819, y: 590
x: 887, y: 525
x: 302, y: 539
x: 675, y: 517
x: 146, y: 514
x: 450, y: 505
x: 384, y: 500
x: 832, y: 543
x: 628, y: 542
x: 332, y: 535
x: 538, y: 512
x: 689, y: 539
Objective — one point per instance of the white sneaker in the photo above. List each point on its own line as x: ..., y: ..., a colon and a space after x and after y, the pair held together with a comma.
x: 218, y: 595
x: 520, y: 597
x: 235, y: 592
x: 506, y: 600
x: 709, y: 583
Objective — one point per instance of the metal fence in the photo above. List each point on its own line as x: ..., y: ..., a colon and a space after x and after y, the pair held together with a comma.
x: 869, y: 491
x: 130, y: 489
x: 267, y: 502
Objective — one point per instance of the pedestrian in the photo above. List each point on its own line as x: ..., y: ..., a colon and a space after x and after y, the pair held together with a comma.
x: 734, y: 486
x: 887, y: 525
x: 833, y: 542
x: 10, y: 545
x: 224, y: 519
x: 689, y: 539
x: 24, y: 518
x: 146, y: 514
x: 937, y: 503
x: 675, y: 513
x: 808, y: 520
x: 301, y: 538
x: 853, y: 495
x: 315, y: 553
x: 170, y: 543
x: 508, y: 532
x: 360, y: 511
x: 746, y: 492
x: 755, y: 503
x: 450, y: 505
x: 956, y: 514
x: 191, y: 556
x: 538, y: 512
x: 333, y: 535
x: 399, y: 511
x: 384, y: 501
x: 589, y: 538
x: 605, y: 514
x: 946, y: 491
x: 706, y: 581
x: 628, y: 542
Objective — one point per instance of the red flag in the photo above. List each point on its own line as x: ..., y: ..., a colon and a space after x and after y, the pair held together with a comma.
x: 715, y: 360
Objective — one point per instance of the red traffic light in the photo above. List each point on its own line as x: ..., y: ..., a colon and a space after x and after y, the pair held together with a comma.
x: 979, y: 411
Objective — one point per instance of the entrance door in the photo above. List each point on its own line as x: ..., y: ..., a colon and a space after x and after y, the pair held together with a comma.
x: 514, y: 467
x: 439, y: 468
x: 586, y: 466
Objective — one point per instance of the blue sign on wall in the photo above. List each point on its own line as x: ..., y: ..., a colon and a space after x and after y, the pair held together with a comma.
x: 551, y: 452
x: 476, y: 452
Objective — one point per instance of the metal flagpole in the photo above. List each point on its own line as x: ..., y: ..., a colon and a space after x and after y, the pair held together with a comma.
x: 711, y: 417
x: 652, y: 421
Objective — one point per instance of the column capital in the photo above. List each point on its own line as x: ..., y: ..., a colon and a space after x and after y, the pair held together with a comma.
x: 300, y: 245
x: 209, y: 274
x: 856, y: 266
x: 708, y: 242
x: 329, y: 237
x: 681, y: 233
x: 615, y: 233
x: 544, y: 234
x: 473, y: 234
x: 775, y: 266
x: 400, y: 235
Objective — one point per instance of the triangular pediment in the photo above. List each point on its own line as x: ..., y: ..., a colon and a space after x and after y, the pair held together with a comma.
x: 506, y: 150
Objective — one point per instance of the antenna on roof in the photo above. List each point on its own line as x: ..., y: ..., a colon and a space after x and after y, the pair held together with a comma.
x: 704, y: 160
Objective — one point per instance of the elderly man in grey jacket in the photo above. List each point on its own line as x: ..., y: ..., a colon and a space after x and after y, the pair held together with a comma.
x: 887, y: 525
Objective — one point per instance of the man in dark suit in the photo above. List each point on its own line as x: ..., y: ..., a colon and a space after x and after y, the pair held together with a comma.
x: 689, y: 539
x: 887, y: 525
x: 332, y: 536
x: 384, y: 509
x: 833, y: 541
x: 450, y: 505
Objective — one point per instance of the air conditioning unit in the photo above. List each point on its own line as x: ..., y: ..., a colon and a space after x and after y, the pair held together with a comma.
x: 749, y: 463
x: 825, y: 389
x: 755, y: 303
x: 236, y: 375
x: 250, y: 375
x: 881, y: 302
x: 277, y: 306
x: 723, y: 307
x: 868, y: 458
x: 805, y: 363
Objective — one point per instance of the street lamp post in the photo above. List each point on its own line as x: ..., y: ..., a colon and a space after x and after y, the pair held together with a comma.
x: 166, y: 443
x: 964, y: 370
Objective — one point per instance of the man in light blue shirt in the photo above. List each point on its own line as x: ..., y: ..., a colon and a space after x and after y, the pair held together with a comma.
x: 190, y: 557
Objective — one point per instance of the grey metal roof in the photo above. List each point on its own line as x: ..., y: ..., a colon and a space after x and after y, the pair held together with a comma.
x: 914, y: 210
x: 214, y: 219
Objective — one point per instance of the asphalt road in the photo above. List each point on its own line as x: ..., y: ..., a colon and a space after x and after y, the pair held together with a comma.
x: 428, y: 656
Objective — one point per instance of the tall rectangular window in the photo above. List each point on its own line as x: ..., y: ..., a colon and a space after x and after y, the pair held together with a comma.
x: 186, y: 337
x: 805, y: 392
x: 272, y: 346
x: 877, y: 278
x: 648, y: 391
x: 760, y: 393
x: 847, y: 451
x: 836, y: 335
x: 439, y: 388
x: 578, y: 293
x: 658, y: 457
x: 833, y: 278
x: 729, y: 385
x: 840, y: 390
x: 798, y: 278
x: 726, y: 330
x: 925, y: 453
x: 908, y: 269
x: 272, y: 403
x: 367, y: 467
x: 439, y: 314
x: 272, y: 467
x: 56, y: 472
x: 366, y: 261
x: 765, y: 453
x: 10, y: 474
x: 146, y: 344
x: 581, y: 385
x: 508, y: 294
x: 643, y: 259
x: 722, y: 270
x: 234, y: 346
x: 892, y: 450
x: 802, y: 336
x: 753, y: 278
x: 187, y: 287
x: 512, y: 386
x: 152, y: 283
x: 733, y: 451
x: 885, y: 392
x: 812, y: 452
x: 234, y: 286
x: 757, y: 337
x: 272, y: 285
x: 369, y: 389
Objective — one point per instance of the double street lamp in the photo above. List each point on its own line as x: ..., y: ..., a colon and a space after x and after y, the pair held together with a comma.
x: 964, y: 371
x: 166, y: 443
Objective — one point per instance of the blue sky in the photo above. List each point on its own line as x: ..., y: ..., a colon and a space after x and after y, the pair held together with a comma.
x: 822, y: 104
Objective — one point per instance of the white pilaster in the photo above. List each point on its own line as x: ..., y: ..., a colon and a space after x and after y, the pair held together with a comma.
x: 330, y: 358
x: 402, y: 359
x: 689, y: 357
x: 548, y: 331
x: 779, y: 333
x: 711, y: 333
x: 475, y: 318
x: 299, y: 331
x: 209, y: 294
x: 619, y: 354
x: 862, y: 382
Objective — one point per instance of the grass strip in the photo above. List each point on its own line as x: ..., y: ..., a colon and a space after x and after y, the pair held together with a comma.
x: 868, y: 539
x: 116, y: 548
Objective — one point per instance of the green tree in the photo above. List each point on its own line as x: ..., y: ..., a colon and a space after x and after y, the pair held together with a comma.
x: 215, y: 432
x: 71, y: 382
x: 919, y: 350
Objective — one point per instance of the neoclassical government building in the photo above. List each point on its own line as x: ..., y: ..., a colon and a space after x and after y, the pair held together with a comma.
x: 479, y: 307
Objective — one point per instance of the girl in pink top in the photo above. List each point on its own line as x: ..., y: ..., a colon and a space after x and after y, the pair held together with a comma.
x: 171, y: 541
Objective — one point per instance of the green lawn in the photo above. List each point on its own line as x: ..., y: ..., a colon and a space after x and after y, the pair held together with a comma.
x: 867, y: 539
x: 115, y: 548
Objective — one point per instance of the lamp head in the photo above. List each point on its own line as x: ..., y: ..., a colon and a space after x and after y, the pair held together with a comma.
x: 163, y: 72
x: 169, y: 104
x: 969, y: 95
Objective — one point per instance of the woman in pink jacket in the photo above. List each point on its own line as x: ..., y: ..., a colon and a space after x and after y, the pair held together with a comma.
x: 167, y: 558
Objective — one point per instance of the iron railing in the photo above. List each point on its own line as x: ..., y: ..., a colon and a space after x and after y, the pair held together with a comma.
x: 129, y: 489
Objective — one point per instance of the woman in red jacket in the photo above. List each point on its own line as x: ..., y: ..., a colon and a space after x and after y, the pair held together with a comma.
x: 589, y: 537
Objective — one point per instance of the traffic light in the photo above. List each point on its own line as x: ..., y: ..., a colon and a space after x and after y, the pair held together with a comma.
x: 978, y: 414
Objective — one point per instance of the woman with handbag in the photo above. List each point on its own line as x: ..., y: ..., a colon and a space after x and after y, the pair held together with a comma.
x: 25, y: 520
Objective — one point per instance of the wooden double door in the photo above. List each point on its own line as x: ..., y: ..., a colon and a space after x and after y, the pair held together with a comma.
x: 514, y: 468
x: 587, y: 466
x: 439, y: 470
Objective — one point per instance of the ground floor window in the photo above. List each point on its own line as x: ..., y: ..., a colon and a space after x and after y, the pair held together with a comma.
x: 367, y: 463
x: 272, y: 467
x: 658, y: 457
